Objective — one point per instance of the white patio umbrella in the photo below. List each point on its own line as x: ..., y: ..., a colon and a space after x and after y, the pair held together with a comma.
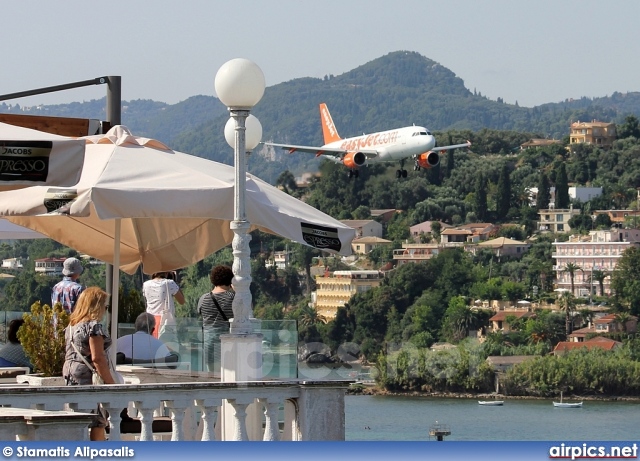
x: 175, y: 209
x: 139, y: 202
x: 30, y: 157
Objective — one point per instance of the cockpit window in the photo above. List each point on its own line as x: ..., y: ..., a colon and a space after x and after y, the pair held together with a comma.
x: 421, y: 133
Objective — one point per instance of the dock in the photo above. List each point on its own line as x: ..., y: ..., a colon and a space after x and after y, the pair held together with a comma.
x: 439, y: 431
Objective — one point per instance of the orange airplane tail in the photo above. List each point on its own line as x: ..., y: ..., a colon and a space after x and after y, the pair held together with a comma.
x: 329, y: 130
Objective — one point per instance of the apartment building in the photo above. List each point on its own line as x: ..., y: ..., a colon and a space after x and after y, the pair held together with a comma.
x: 416, y: 252
x: 600, y: 250
x: 556, y: 219
x: 334, y: 290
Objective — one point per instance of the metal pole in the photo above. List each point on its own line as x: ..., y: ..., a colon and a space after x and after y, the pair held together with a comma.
x: 115, y: 308
x: 114, y: 104
x: 242, y: 310
x: 114, y: 99
x: 52, y: 89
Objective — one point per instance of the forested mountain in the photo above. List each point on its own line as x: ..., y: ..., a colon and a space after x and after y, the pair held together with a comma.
x: 398, y: 89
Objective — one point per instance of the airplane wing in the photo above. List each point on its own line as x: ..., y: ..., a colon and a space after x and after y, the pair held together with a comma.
x: 455, y: 146
x: 332, y: 151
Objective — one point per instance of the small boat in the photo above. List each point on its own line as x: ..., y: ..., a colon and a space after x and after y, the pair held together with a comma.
x: 491, y: 403
x: 562, y: 404
x: 567, y: 404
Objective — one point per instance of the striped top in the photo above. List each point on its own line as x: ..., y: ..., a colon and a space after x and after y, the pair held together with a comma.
x: 211, y: 317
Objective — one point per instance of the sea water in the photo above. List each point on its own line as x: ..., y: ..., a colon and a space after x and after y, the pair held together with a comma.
x: 409, y: 418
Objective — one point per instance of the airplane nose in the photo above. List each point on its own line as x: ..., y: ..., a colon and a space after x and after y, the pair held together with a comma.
x: 430, y: 142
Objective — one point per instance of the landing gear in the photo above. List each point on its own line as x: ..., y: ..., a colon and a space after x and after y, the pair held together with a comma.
x: 416, y: 166
x: 401, y: 173
x: 354, y: 174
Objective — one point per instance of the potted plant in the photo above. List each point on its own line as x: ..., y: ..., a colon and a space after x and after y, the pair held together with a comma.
x: 42, y: 337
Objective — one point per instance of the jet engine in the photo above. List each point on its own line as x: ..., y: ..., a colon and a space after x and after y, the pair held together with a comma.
x: 428, y: 159
x: 354, y: 159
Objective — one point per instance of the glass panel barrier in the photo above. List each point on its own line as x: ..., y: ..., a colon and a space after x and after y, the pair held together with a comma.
x: 5, y: 318
x: 189, y: 340
x: 279, y: 347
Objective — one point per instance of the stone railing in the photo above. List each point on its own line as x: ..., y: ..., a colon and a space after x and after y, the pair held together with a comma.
x: 257, y: 410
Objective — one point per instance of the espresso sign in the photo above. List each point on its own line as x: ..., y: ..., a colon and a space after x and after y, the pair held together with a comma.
x: 321, y: 237
x: 58, y: 201
x: 25, y: 160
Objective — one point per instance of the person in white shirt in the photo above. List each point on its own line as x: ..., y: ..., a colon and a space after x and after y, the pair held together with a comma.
x: 142, y: 346
x: 159, y: 293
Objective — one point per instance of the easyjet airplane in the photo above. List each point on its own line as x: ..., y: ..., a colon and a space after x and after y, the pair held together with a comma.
x: 386, y: 146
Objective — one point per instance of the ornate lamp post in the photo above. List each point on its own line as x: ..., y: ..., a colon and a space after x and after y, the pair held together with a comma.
x: 239, y: 85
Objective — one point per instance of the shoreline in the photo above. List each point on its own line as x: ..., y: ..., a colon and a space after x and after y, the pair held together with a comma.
x: 373, y: 390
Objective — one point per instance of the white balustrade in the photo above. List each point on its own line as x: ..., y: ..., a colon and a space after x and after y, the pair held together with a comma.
x: 313, y: 410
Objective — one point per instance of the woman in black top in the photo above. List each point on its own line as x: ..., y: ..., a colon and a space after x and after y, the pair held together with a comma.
x: 215, y: 307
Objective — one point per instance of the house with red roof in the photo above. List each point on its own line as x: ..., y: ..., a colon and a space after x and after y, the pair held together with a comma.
x: 598, y: 342
x: 468, y: 233
x: 606, y: 324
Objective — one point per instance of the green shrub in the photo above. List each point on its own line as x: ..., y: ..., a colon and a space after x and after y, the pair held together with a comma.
x: 42, y: 337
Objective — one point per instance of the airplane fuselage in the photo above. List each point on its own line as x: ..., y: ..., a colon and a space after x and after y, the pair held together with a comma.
x: 386, y: 146
x: 391, y: 145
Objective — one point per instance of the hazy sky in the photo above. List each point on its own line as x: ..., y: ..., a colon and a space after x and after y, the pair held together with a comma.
x: 532, y: 52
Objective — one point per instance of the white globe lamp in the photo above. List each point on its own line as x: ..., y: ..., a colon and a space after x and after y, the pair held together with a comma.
x: 240, y: 83
x: 253, y: 132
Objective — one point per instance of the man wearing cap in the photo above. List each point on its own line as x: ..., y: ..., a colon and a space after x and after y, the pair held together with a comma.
x: 68, y: 290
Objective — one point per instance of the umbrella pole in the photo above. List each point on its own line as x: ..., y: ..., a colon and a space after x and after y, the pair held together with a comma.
x: 115, y: 291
